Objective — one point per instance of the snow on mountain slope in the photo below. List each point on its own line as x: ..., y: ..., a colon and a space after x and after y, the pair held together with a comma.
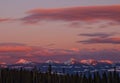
x: 71, y: 61
x: 105, y: 61
x: 95, y: 62
x: 23, y: 61
x: 89, y: 62
x: 51, y: 61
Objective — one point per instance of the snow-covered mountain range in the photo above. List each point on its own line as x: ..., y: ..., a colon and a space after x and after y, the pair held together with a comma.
x: 70, y: 66
x: 71, y: 61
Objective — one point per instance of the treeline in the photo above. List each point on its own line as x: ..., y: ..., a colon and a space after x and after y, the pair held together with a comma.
x: 35, y: 76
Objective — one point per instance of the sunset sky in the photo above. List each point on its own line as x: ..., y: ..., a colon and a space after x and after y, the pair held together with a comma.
x: 40, y: 30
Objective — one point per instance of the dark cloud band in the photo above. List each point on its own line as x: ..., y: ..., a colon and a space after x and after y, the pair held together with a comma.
x: 101, y: 41
x: 102, y: 35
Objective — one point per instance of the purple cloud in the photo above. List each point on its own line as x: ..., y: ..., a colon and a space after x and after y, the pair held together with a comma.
x: 101, y: 41
x: 102, y: 35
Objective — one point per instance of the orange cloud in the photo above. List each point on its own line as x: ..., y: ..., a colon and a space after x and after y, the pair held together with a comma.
x: 111, y: 12
x: 14, y: 48
x: 75, y: 49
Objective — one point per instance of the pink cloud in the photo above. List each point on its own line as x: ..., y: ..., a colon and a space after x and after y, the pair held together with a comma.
x: 11, y: 52
x: 43, y: 52
x: 5, y: 19
x: 88, y: 13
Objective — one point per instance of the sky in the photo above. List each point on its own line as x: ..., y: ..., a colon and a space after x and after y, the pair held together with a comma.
x: 41, y: 30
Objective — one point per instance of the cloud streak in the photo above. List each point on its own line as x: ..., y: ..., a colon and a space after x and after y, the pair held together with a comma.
x: 89, y: 13
x: 14, y: 47
x: 102, y: 35
x: 101, y: 41
x: 5, y: 20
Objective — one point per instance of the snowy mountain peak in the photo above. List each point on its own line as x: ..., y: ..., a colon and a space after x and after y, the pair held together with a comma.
x: 71, y: 61
x: 89, y: 62
x: 23, y: 61
x: 51, y: 61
